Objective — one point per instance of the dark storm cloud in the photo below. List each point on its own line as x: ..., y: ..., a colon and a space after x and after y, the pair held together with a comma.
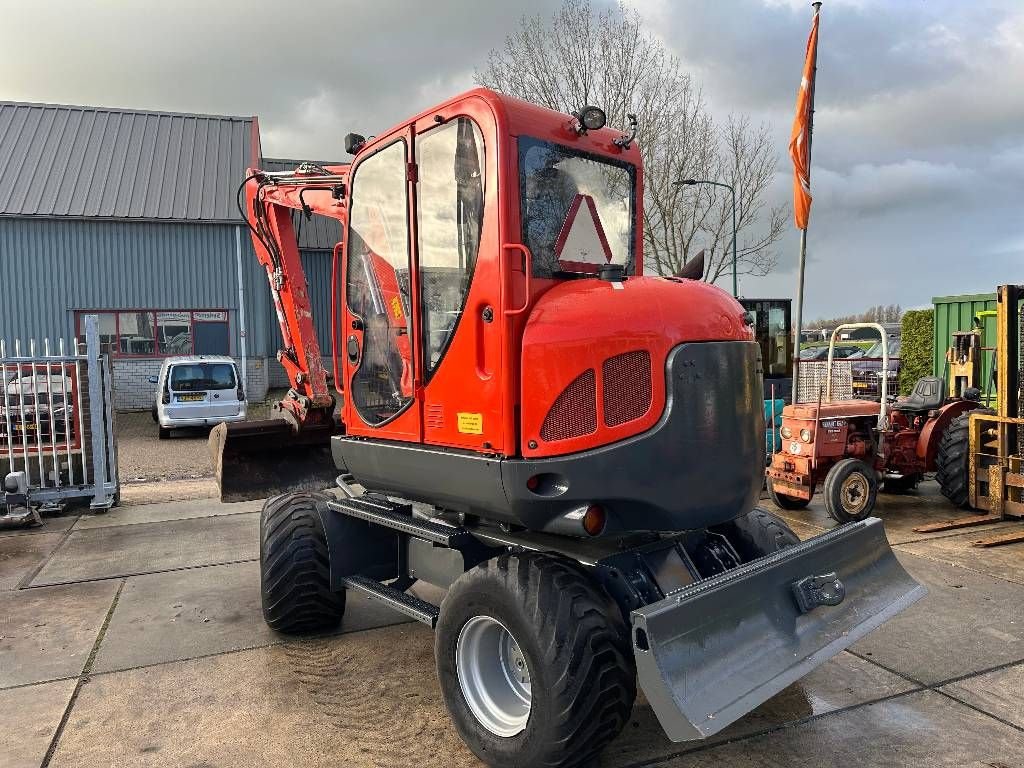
x: 918, y: 168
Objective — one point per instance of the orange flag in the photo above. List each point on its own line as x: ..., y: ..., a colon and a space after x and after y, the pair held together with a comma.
x: 800, y: 138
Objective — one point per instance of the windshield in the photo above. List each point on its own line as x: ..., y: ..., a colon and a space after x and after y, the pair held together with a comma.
x: 876, y: 350
x: 195, y: 376
x: 26, y: 388
x: 576, y: 208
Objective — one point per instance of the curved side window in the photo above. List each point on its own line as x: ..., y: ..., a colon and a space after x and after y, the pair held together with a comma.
x: 378, y: 285
x: 450, y: 211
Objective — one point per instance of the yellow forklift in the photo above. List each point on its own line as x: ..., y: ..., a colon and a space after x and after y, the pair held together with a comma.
x: 965, y: 360
x: 985, y: 447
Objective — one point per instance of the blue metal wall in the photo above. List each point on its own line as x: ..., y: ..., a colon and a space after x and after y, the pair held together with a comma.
x: 317, y: 266
x: 51, y: 267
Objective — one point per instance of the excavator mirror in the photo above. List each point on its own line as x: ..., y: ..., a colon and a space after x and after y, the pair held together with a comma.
x: 354, y: 142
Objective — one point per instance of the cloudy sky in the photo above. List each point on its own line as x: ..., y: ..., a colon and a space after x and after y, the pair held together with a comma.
x: 918, y: 168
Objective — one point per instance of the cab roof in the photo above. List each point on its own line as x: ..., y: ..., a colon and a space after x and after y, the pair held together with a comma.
x: 524, y: 118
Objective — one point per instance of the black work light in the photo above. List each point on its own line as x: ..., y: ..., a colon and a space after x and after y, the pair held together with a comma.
x: 591, y: 118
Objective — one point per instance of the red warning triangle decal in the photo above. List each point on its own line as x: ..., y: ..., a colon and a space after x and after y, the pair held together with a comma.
x: 581, y: 245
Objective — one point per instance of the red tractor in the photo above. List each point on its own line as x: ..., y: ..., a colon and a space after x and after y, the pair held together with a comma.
x: 844, y: 447
x: 571, y: 448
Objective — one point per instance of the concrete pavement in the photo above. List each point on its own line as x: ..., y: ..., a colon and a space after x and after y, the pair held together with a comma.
x: 135, y: 639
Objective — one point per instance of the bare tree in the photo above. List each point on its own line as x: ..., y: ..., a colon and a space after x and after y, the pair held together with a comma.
x: 581, y: 56
x: 881, y: 313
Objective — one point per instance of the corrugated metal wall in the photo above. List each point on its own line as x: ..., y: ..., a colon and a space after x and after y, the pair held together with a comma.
x: 51, y: 267
x: 956, y: 313
x: 317, y: 266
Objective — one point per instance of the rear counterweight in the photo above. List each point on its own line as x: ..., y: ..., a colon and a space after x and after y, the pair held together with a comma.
x: 699, y: 465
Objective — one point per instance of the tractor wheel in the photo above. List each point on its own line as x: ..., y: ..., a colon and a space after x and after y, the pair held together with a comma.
x: 534, y: 662
x: 851, y: 487
x: 295, y: 567
x: 901, y: 484
x: 153, y: 413
x: 785, y: 501
x: 951, y: 458
x: 758, y: 533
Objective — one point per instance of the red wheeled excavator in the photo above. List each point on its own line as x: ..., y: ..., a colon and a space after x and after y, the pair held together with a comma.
x: 519, y: 415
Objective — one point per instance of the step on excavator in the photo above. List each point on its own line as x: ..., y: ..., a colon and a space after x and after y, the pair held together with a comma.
x: 519, y: 415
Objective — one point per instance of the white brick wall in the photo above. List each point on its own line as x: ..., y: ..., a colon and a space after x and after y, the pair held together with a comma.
x: 132, y: 390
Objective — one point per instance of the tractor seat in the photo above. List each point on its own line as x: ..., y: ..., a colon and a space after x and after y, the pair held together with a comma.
x: 928, y: 394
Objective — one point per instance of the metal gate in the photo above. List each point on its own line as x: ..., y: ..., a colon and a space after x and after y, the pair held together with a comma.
x: 57, y: 424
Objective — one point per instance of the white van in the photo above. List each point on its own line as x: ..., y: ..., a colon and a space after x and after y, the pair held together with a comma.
x: 197, y: 391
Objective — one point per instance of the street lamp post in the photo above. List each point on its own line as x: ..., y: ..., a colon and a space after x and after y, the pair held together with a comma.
x: 692, y: 182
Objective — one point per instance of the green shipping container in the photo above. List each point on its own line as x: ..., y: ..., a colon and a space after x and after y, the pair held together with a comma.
x: 956, y: 313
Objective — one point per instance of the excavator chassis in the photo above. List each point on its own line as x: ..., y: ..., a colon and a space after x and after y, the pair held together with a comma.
x: 712, y: 636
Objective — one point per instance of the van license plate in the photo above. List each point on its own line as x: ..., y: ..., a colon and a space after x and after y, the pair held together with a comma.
x: 198, y: 396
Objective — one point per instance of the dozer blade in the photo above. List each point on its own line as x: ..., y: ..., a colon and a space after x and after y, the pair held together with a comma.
x: 711, y: 652
x: 259, y: 459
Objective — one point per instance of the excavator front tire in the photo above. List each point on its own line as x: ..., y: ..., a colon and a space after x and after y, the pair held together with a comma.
x: 295, y: 566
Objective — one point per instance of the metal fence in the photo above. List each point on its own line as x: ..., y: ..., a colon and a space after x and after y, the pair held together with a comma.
x: 813, y: 377
x: 57, y: 423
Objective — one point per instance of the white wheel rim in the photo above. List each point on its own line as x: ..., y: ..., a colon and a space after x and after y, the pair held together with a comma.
x: 494, y: 676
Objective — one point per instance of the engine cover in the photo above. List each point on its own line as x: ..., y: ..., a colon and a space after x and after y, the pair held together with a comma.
x: 594, y: 352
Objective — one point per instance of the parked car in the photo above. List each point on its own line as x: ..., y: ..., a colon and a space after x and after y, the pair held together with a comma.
x: 27, y: 409
x: 867, y: 371
x: 197, y: 391
x: 843, y: 352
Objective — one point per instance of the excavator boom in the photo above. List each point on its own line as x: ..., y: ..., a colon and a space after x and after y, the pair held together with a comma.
x: 289, y: 451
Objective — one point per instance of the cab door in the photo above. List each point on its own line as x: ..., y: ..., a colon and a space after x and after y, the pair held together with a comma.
x: 458, y: 257
x: 379, y: 351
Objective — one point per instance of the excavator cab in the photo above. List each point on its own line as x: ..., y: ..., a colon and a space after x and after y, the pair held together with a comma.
x: 583, y: 439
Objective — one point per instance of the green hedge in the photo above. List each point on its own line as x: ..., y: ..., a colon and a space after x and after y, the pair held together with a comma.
x: 915, y: 347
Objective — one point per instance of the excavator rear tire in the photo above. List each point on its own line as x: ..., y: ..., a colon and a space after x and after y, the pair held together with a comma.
x: 951, y: 459
x: 534, y: 662
x: 758, y: 533
x: 295, y: 566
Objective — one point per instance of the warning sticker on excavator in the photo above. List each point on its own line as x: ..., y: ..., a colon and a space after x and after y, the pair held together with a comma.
x: 581, y: 245
x: 396, y: 307
x: 471, y: 423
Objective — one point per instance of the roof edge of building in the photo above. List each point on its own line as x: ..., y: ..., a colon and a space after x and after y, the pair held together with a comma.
x: 125, y: 110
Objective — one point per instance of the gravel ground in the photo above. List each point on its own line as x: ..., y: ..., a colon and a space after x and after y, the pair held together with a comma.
x: 142, y: 457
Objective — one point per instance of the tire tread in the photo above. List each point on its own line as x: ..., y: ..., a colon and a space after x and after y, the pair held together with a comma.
x: 580, y: 632
x: 951, y: 459
x: 295, y: 566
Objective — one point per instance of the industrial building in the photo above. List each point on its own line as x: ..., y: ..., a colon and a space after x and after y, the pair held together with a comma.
x: 132, y: 215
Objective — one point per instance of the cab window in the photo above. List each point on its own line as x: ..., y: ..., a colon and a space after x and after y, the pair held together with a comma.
x: 450, y: 210
x: 378, y: 285
x: 554, y: 181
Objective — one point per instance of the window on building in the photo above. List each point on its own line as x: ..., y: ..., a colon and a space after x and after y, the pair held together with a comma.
x: 160, y: 332
x: 174, y: 332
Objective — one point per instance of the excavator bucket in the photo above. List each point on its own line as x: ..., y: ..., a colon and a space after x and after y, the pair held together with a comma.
x: 259, y: 459
x: 711, y: 652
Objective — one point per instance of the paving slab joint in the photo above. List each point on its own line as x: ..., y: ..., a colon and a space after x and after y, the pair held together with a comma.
x: 83, y: 678
x: 26, y: 580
